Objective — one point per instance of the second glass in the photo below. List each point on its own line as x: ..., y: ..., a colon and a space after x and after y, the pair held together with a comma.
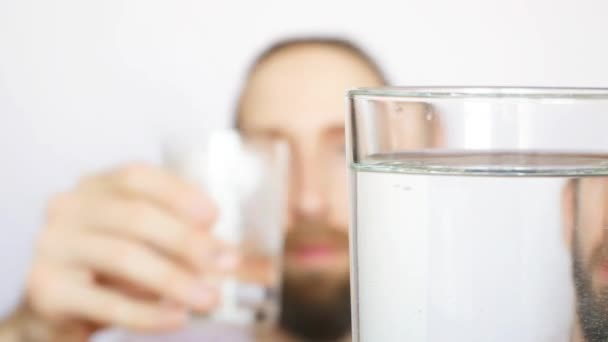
x: 247, y: 180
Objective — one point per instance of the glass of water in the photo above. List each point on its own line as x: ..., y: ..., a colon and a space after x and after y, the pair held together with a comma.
x: 479, y: 214
x: 247, y: 179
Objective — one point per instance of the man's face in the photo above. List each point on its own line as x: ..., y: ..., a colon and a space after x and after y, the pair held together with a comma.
x: 590, y: 257
x: 297, y: 95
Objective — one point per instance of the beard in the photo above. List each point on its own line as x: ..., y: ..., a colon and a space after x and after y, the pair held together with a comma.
x: 315, y: 305
x: 316, y: 321
x: 592, y: 305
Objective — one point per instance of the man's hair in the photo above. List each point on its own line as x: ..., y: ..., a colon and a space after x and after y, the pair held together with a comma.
x: 334, y: 42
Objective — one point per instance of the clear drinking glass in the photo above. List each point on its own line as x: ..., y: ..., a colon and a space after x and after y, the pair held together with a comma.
x: 247, y: 179
x: 479, y: 214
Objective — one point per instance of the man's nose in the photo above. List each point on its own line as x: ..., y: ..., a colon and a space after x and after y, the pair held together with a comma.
x: 310, y: 197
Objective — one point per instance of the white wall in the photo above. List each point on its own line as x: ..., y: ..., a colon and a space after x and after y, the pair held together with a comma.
x: 87, y: 84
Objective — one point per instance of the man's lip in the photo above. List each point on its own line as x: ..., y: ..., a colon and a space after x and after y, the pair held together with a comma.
x: 313, y: 252
x: 603, y: 271
x: 604, y: 264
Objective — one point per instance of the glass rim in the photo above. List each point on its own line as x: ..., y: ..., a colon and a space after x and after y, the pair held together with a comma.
x: 464, y: 92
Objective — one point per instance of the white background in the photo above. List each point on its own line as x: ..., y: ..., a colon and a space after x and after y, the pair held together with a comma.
x: 85, y: 85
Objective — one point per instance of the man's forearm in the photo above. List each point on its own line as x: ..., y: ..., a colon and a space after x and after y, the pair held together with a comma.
x: 25, y: 326
x: 10, y: 328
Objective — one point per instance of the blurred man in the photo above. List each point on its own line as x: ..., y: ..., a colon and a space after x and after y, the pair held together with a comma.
x: 296, y: 92
x: 126, y: 238
x: 585, y: 204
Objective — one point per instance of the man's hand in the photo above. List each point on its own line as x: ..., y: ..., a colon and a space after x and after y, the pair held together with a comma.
x: 128, y: 248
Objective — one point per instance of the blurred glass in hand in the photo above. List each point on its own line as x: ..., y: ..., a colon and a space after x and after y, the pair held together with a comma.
x: 247, y: 180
